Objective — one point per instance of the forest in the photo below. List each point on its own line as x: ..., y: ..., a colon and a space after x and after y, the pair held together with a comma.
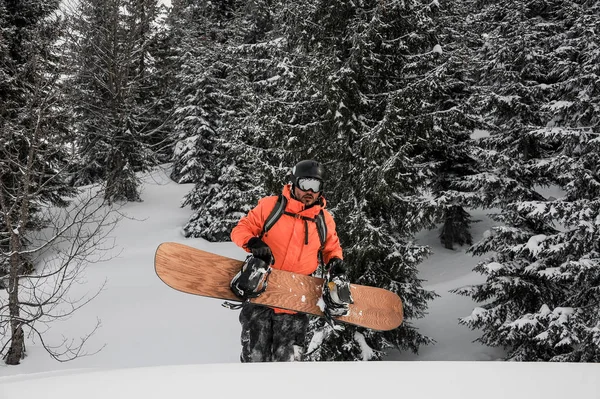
x: 420, y: 111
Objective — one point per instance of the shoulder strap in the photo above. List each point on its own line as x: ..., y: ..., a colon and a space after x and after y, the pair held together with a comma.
x: 275, y: 214
x: 321, y: 228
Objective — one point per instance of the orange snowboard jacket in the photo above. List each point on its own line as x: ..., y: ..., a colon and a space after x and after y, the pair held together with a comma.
x: 287, y: 237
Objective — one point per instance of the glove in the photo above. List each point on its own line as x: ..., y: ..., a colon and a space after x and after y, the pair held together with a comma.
x: 336, y: 268
x: 259, y: 249
x: 336, y: 290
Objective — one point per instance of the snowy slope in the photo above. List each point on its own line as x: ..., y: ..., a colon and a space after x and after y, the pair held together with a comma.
x: 146, y: 324
x: 157, y: 342
x: 423, y: 380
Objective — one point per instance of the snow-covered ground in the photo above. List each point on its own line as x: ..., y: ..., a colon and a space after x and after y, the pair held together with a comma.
x: 423, y: 380
x: 152, y: 335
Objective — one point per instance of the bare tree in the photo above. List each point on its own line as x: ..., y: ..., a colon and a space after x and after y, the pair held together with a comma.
x: 56, y: 240
x: 74, y: 237
x: 48, y: 230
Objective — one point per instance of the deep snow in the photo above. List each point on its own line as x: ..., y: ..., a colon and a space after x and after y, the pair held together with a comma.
x: 145, y: 324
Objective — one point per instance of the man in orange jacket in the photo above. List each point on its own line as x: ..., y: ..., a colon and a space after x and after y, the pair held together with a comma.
x: 291, y: 244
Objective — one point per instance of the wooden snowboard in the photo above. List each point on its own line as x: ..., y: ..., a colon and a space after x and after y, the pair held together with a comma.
x: 203, y: 273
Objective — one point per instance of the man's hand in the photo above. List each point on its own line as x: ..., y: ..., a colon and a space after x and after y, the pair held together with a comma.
x: 336, y: 290
x: 259, y: 249
x: 336, y: 267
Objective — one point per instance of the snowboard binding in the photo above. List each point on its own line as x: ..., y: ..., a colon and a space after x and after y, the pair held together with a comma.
x: 251, y: 281
x: 337, y: 296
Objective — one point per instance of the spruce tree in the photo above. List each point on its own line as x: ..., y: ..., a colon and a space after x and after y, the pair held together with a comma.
x: 152, y: 73
x: 540, y: 294
x: 162, y: 83
x: 447, y: 95
x: 228, y: 189
x: 199, y: 43
x: 107, y: 83
x: 341, y: 99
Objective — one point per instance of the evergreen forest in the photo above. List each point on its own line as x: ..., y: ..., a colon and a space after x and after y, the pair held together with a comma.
x: 420, y: 110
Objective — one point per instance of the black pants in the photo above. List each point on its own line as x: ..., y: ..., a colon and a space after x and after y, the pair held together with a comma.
x: 271, y: 337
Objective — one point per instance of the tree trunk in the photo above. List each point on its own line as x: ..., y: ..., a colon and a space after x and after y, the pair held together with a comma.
x: 17, y: 345
x: 456, y: 228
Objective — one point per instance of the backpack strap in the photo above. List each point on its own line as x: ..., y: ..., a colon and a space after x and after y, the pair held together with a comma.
x: 275, y: 214
x: 322, y: 230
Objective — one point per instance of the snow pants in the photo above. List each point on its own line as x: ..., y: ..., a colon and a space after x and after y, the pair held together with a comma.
x: 271, y: 337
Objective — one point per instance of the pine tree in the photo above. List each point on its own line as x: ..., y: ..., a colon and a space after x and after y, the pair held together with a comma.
x: 447, y: 95
x: 226, y: 191
x: 197, y: 108
x: 340, y: 98
x: 107, y: 83
x: 162, y: 83
x: 541, y: 286
x: 151, y: 73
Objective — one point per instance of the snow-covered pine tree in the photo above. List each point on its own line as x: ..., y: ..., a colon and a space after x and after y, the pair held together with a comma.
x: 198, y: 39
x: 446, y: 95
x: 510, y: 108
x: 234, y: 185
x: 351, y: 114
x: 106, y: 84
x: 151, y: 71
x: 34, y: 149
x: 508, y: 95
x: 162, y: 50
x: 284, y: 119
x: 541, y: 289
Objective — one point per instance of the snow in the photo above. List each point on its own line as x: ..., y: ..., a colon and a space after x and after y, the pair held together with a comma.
x: 366, y: 350
x: 563, y: 314
x: 494, y: 266
x: 558, y: 105
x: 522, y: 322
x: 157, y: 342
x: 536, y: 244
x: 463, y: 380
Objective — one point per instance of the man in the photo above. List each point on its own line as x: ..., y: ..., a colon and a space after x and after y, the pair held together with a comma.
x: 292, y: 243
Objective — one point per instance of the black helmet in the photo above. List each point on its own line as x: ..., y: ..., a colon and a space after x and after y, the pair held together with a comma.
x: 307, y: 168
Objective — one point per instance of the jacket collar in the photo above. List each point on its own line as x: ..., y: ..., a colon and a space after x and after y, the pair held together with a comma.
x: 296, y: 206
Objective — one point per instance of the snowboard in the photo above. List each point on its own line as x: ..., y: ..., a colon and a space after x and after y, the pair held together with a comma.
x: 198, y: 272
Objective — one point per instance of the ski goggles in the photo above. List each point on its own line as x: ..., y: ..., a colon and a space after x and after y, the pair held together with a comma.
x: 310, y: 184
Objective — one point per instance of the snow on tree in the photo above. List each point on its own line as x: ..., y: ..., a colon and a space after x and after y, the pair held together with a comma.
x: 35, y: 209
x: 450, y: 119
x: 108, y: 52
x: 541, y: 297
x: 200, y: 36
x: 339, y: 99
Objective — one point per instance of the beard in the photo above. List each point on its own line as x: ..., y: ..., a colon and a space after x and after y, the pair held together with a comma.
x: 308, y: 199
